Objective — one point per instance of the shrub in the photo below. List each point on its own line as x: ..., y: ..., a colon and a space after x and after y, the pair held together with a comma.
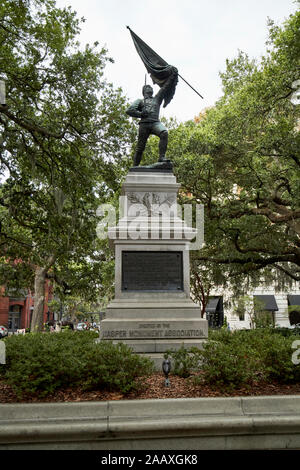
x: 221, y: 334
x: 40, y: 363
x: 288, y: 331
x: 268, y: 355
x: 238, y: 358
x: 276, y: 356
x: 114, y: 367
x: 183, y: 361
x: 228, y: 364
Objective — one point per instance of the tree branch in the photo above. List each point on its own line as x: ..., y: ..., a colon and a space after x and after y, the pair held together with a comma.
x: 289, y: 273
x: 275, y: 218
x: 261, y: 262
x: 28, y: 126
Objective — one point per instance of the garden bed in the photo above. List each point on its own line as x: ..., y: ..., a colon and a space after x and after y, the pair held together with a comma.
x: 153, y: 388
x: 72, y: 367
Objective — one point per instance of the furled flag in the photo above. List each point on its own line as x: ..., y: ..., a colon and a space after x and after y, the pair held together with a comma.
x: 158, y: 68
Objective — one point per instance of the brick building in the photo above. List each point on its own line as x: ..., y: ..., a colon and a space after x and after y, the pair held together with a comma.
x: 16, y: 309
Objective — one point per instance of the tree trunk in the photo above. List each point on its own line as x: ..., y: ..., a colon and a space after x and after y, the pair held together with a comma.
x: 39, y: 298
x: 37, y: 321
x: 204, y: 303
x: 202, y: 293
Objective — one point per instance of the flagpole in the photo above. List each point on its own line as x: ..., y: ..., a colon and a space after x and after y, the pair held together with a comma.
x: 162, y: 60
x: 190, y: 86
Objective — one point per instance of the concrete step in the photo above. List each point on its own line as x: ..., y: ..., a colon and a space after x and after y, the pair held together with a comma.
x: 270, y: 422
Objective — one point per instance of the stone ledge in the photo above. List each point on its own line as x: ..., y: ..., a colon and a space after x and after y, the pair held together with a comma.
x: 199, y: 423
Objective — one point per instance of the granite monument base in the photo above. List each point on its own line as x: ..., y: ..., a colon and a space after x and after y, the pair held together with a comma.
x: 154, y: 325
x: 152, y: 311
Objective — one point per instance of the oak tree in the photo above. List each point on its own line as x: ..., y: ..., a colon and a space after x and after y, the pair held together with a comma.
x: 63, y: 148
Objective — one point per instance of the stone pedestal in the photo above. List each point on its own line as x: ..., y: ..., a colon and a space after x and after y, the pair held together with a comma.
x: 152, y: 310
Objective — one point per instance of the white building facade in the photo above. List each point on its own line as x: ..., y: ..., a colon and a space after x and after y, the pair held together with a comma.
x: 223, y: 307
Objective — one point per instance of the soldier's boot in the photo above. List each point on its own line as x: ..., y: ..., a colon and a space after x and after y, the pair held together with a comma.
x: 137, y: 158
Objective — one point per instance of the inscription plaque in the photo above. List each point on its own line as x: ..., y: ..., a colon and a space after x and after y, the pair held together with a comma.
x: 152, y: 271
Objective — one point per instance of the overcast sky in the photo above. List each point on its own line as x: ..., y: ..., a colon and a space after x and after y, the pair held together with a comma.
x: 197, y: 36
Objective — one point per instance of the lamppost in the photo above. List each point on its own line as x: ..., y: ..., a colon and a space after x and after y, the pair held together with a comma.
x: 166, y: 367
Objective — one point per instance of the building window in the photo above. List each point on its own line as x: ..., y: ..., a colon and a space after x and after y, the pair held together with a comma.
x: 294, y: 309
x: 241, y: 316
x: 265, y: 307
x: 14, y: 317
x: 214, y: 312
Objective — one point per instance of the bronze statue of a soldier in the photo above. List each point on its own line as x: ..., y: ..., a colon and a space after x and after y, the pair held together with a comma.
x: 147, y: 110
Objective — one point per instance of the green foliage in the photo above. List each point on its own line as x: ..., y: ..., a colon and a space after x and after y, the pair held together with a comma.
x: 241, y: 160
x: 264, y: 353
x: 220, y: 334
x: 287, y: 331
x: 114, y: 368
x: 183, y: 360
x: 263, y: 320
x: 235, y: 359
x: 224, y: 365
x: 64, y: 141
x: 40, y: 363
x: 276, y: 358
